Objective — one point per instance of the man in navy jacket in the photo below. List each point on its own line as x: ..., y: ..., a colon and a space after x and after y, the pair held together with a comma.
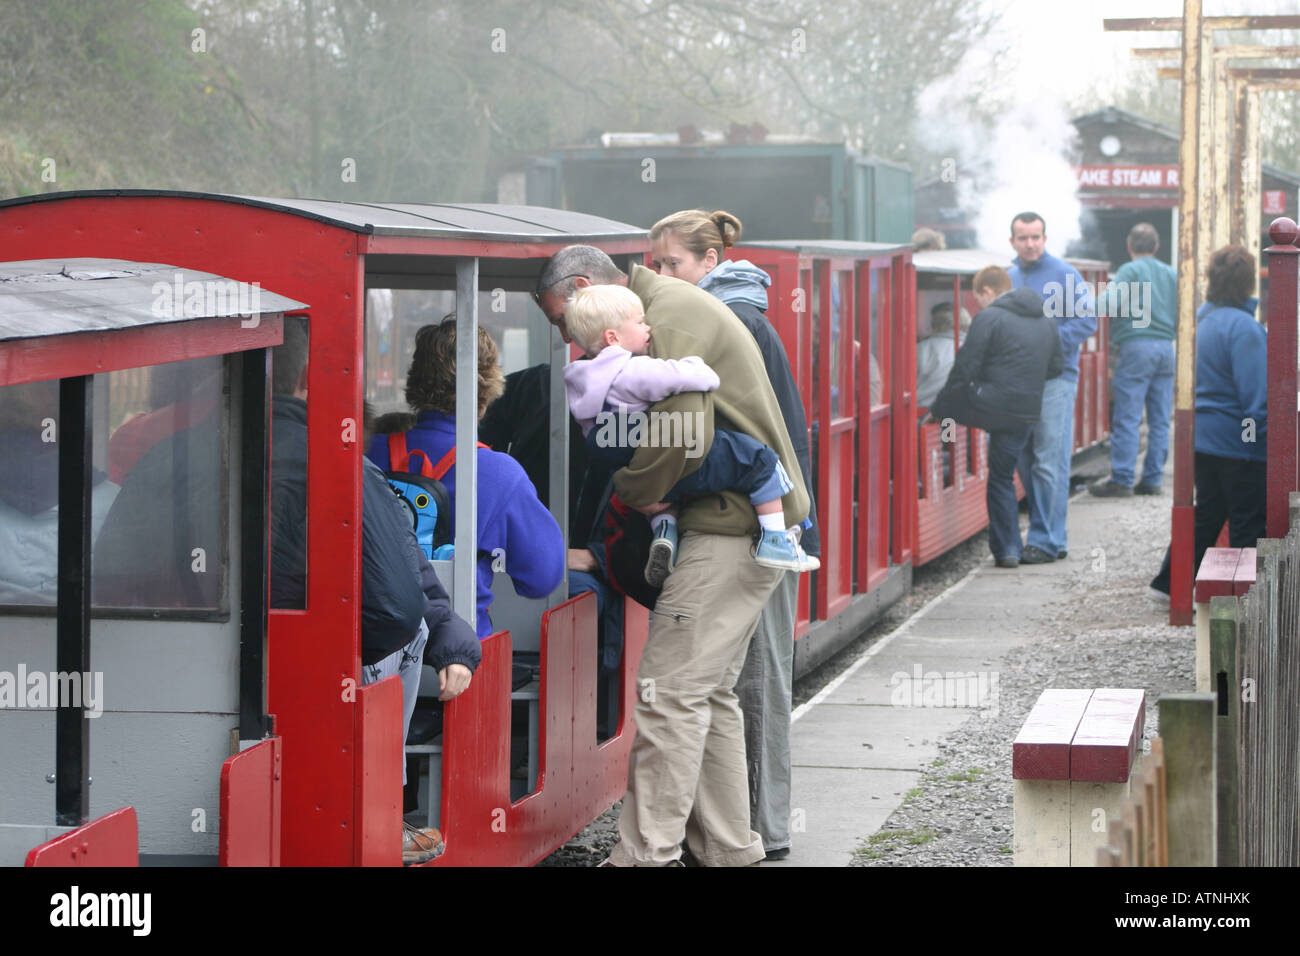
x: 996, y: 384
x: 1045, y: 461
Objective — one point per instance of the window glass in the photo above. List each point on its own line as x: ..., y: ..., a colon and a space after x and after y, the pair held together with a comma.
x: 877, y: 365
x: 394, y: 316
x: 163, y: 541
x: 836, y: 340
x: 158, y: 489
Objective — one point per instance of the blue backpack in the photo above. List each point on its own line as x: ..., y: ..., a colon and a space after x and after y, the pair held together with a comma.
x: 423, y: 492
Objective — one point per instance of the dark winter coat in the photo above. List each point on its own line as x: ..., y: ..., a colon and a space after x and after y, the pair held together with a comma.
x: 997, y: 378
x: 392, y: 601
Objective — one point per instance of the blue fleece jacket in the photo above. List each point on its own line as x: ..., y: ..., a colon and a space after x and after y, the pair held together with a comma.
x: 510, y: 515
x: 1066, y: 298
x: 1231, y: 381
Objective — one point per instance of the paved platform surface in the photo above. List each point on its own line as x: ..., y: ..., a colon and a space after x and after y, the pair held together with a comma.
x: 865, y: 740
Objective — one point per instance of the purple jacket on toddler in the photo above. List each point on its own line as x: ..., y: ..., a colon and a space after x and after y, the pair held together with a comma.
x: 617, y: 379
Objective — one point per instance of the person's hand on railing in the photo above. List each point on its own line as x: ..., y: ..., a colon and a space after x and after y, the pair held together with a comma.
x: 453, y: 680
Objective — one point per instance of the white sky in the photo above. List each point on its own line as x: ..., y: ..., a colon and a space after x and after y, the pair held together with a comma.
x: 1061, y: 48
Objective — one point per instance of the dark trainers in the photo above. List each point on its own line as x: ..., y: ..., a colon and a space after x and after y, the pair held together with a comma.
x: 1147, y: 490
x: 663, y: 555
x: 1008, y: 562
x: 1032, y: 555
x: 1110, y: 489
x: 1062, y: 555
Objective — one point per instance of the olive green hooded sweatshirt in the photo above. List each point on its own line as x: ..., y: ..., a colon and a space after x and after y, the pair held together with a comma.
x: 685, y: 320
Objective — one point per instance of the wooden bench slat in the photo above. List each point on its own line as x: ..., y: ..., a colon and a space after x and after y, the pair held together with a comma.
x: 1106, y: 741
x: 1244, y: 577
x: 1216, y: 574
x: 1041, y: 751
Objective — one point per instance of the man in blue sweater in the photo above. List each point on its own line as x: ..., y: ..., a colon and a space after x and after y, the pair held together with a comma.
x: 1142, y: 303
x: 1045, y: 461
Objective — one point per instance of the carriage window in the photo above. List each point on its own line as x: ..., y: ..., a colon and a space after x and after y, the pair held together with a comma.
x: 158, y: 490
x: 393, y: 316
x: 163, y: 541
x: 879, y: 365
x: 837, y: 299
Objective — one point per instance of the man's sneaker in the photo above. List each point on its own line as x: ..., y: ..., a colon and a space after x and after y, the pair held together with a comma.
x: 780, y: 549
x: 1008, y: 562
x: 1157, y: 596
x: 1110, y: 489
x: 1147, y: 490
x: 419, y: 846
x: 1062, y: 554
x: 663, y: 555
x: 1033, y: 555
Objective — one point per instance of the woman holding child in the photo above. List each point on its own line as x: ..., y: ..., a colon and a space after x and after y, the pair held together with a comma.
x: 690, y: 245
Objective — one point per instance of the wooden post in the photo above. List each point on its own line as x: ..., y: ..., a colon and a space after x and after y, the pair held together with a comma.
x: 1225, y: 679
x: 1189, y: 149
x: 1187, y: 729
x: 1283, y: 259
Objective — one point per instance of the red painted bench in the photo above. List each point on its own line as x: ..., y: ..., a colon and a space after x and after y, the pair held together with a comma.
x: 1071, y: 763
x: 1224, y: 572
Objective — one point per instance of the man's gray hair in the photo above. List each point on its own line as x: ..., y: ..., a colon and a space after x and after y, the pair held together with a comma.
x: 1144, y: 239
x: 572, y: 261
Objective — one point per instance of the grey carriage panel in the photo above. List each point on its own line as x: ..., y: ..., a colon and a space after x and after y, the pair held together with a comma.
x: 61, y: 296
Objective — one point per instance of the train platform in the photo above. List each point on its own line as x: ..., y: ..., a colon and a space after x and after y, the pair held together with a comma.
x: 923, y: 720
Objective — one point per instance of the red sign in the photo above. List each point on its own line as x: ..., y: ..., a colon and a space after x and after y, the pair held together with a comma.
x: 1127, y: 177
x: 1275, y: 202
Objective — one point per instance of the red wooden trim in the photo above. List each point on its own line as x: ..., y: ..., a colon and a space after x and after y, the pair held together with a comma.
x: 250, y: 807
x: 1215, y: 576
x: 88, y: 353
x: 1041, y: 751
x: 110, y: 840
x: 1106, y: 741
x: 377, y: 834
x: 1283, y: 258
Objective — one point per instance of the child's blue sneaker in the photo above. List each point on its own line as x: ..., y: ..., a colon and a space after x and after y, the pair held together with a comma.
x: 780, y: 549
x: 663, y: 555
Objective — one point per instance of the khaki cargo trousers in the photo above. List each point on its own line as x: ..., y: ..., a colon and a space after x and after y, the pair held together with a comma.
x: 686, y: 776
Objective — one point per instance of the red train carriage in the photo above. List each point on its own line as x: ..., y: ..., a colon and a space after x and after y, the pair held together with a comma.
x: 845, y: 315
x: 341, y: 795
x: 143, y: 667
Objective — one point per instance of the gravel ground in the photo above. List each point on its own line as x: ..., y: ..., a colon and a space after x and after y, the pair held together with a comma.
x: 1101, y: 631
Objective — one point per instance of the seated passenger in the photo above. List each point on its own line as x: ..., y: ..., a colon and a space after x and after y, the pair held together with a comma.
x: 29, y: 494
x: 934, y: 355
x: 608, y: 323
x: 513, y: 526
x: 399, y: 624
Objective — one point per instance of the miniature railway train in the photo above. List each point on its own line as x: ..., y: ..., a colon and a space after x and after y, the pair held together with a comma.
x: 233, y: 733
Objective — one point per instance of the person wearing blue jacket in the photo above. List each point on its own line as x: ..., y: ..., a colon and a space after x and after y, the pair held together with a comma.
x: 514, y: 527
x: 1044, y: 464
x: 1231, y: 410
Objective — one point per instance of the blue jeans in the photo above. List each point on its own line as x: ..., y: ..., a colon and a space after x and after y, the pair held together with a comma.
x: 1144, y: 377
x: 406, y: 664
x: 1000, y: 491
x: 1045, y: 467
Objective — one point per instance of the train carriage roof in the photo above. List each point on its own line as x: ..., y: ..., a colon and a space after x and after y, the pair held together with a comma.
x: 971, y: 261
x: 48, y: 297
x: 487, y: 221
x: 827, y: 247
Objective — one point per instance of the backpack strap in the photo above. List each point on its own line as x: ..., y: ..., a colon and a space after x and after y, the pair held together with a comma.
x: 446, y: 461
x: 399, y: 459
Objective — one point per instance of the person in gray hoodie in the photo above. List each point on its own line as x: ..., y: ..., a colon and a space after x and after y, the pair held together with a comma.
x: 690, y: 245
x: 996, y: 384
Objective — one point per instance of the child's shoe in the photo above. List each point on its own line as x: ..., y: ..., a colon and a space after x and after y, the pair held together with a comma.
x: 780, y: 549
x: 663, y: 555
